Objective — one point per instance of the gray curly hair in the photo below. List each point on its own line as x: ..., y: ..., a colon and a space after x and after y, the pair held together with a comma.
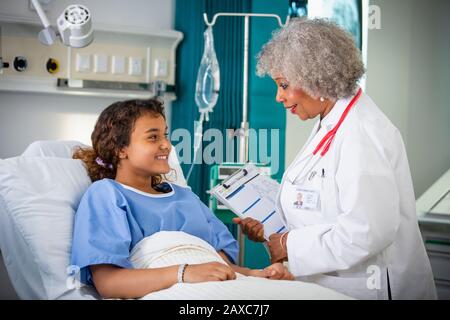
x: 314, y: 55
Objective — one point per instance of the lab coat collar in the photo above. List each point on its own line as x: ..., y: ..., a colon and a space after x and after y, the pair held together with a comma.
x: 301, y: 163
x: 332, y: 118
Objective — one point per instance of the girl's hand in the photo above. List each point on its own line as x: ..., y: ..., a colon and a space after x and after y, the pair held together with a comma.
x: 211, y: 271
x: 252, y: 228
x: 278, y: 271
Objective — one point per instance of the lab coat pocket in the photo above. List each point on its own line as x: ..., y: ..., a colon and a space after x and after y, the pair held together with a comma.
x: 329, y: 206
x: 353, y: 287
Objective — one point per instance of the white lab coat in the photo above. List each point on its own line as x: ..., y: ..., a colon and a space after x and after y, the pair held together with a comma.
x: 365, y: 229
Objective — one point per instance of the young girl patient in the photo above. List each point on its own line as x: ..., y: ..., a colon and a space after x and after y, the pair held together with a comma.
x: 128, y: 201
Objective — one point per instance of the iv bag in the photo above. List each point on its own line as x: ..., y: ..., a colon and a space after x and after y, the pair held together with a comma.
x: 208, y: 77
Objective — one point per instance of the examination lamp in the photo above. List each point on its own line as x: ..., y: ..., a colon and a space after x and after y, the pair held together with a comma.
x: 74, y: 26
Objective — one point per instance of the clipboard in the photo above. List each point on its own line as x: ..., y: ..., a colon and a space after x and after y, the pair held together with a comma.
x: 248, y: 193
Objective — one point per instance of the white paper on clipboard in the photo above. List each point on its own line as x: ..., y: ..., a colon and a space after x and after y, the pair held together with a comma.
x: 250, y: 194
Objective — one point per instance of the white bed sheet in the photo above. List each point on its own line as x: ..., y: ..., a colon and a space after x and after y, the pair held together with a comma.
x: 247, y: 288
x: 170, y: 248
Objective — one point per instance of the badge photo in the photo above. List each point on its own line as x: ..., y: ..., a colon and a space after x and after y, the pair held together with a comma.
x: 307, y: 199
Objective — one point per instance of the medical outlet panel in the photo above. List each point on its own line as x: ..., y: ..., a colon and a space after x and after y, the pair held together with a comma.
x: 114, y: 57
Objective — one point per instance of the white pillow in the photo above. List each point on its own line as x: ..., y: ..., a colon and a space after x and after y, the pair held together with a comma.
x: 39, y: 200
x: 52, y: 148
x: 64, y: 149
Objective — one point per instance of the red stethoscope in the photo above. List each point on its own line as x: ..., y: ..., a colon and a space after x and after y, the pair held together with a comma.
x: 326, y: 141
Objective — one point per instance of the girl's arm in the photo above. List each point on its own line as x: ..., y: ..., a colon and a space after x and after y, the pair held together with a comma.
x: 115, y: 282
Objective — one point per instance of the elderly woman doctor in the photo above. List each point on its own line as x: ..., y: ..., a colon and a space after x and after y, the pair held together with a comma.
x: 355, y: 229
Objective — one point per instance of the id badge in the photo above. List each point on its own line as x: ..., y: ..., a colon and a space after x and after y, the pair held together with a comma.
x: 307, y: 199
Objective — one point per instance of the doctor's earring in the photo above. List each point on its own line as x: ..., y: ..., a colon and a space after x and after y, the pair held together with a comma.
x: 322, y: 99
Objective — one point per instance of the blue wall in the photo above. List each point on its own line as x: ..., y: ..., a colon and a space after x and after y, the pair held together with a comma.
x: 264, y: 111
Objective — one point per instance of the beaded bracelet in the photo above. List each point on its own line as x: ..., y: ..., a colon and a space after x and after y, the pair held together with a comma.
x: 180, y: 274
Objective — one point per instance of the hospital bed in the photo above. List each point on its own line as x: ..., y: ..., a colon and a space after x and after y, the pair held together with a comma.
x: 39, y: 194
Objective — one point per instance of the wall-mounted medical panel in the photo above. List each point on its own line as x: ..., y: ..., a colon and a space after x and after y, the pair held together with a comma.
x: 109, y: 62
x: 128, y: 62
x: 27, y: 57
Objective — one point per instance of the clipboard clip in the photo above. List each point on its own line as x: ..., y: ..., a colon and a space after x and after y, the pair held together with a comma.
x: 228, y: 182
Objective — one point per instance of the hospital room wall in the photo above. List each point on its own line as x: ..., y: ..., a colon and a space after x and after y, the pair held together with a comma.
x: 26, y: 117
x: 408, y: 77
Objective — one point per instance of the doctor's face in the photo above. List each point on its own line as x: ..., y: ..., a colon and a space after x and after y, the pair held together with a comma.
x: 148, y: 151
x: 296, y: 100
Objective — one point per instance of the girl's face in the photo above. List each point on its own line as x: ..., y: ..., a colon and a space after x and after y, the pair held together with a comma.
x: 148, y: 152
x: 296, y: 100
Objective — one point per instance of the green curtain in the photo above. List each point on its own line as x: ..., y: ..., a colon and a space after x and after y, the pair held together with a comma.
x: 228, y: 41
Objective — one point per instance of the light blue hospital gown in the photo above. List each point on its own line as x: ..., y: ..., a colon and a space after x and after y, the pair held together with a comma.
x: 111, y: 219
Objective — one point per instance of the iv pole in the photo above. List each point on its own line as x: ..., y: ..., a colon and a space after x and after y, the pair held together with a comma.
x: 243, y: 131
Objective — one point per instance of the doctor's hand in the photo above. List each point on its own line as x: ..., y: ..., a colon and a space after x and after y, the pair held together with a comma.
x: 277, y: 247
x: 278, y: 271
x: 252, y: 228
x: 275, y: 271
x: 211, y: 271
